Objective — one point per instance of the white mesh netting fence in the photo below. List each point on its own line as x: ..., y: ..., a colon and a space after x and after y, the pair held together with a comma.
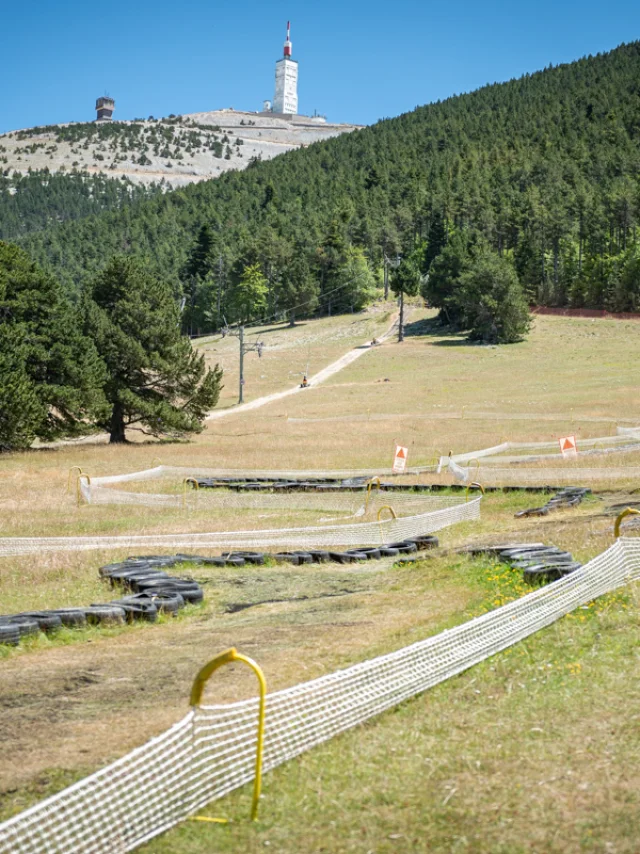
x: 449, y: 511
x: 97, y: 490
x: 211, y: 751
x: 495, y: 465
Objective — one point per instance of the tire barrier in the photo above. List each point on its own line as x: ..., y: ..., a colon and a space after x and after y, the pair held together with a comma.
x: 354, y: 484
x: 152, y: 592
x: 570, y: 496
x: 540, y: 564
x: 212, y: 750
x: 97, y: 490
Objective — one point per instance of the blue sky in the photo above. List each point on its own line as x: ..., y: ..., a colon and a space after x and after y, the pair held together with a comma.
x: 359, y: 61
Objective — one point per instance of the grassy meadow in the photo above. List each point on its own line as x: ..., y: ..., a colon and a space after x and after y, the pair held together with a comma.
x: 532, y: 751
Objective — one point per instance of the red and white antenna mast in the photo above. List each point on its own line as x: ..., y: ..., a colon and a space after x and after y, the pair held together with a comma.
x: 287, y: 44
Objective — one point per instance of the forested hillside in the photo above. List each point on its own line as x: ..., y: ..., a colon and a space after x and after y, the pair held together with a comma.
x: 40, y: 199
x: 542, y: 171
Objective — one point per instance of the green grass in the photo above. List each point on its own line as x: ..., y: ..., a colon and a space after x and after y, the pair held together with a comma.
x: 532, y: 751
x: 508, y: 757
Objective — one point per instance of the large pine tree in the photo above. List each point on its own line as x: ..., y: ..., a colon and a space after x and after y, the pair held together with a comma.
x: 156, y: 382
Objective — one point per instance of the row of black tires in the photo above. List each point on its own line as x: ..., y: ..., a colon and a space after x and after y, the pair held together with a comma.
x: 355, y: 484
x: 540, y: 564
x: 151, y: 590
x: 570, y: 496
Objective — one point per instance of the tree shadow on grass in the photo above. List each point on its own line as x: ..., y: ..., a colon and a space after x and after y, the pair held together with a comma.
x: 432, y: 328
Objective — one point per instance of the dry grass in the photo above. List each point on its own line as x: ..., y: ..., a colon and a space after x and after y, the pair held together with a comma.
x: 73, y: 703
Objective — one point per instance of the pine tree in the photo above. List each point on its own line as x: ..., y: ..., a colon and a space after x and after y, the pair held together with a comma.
x: 494, y: 305
x: 20, y: 409
x: 51, y: 375
x: 249, y: 296
x: 440, y: 285
x: 406, y: 280
x: 155, y: 380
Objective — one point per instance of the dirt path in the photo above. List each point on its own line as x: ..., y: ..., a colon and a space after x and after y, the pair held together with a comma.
x: 315, y: 380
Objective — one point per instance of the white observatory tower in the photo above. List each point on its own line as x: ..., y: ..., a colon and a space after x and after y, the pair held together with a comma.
x: 286, y: 97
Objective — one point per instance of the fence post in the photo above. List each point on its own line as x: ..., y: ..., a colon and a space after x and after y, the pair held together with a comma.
x: 228, y: 657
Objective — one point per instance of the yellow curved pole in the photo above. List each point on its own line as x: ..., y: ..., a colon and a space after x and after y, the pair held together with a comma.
x: 628, y: 512
x: 378, y: 483
x: 473, y: 485
x: 72, y: 469
x: 228, y: 657
x: 78, y: 490
x: 387, y: 507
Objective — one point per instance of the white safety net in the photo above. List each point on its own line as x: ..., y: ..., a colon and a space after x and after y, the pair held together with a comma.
x: 97, y: 490
x: 627, y: 441
x: 495, y: 465
x: 261, y: 474
x: 211, y: 751
x: 387, y: 530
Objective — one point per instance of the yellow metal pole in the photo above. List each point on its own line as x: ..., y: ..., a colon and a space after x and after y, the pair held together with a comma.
x: 72, y: 469
x: 473, y: 485
x: 628, y: 512
x: 378, y: 482
x: 228, y: 657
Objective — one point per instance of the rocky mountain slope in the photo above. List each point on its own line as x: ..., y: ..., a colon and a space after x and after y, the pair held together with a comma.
x: 177, y: 150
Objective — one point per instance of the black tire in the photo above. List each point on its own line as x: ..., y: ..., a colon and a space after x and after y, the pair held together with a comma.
x: 385, y: 551
x: 319, y: 556
x: 105, y: 615
x: 71, y: 616
x: 137, y: 610
x: 253, y: 558
x: 356, y: 555
x: 125, y: 576
x: 9, y: 634
x: 294, y: 558
x: 369, y: 553
x: 515, y: 554
x: 135, y: 581
x: 234, y: 561
x: 46, y: 620
x: 405, y: 547
x: 190, y: 591
x: 24, y: 626
x: 425, y: 541
x: 166, y: 601
x: 540, y: 575
x: 105, y: 571
x: 341, y: 557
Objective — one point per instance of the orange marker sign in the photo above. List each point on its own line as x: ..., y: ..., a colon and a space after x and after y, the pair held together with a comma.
x: 400, y: 459
x: 568, y: 447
